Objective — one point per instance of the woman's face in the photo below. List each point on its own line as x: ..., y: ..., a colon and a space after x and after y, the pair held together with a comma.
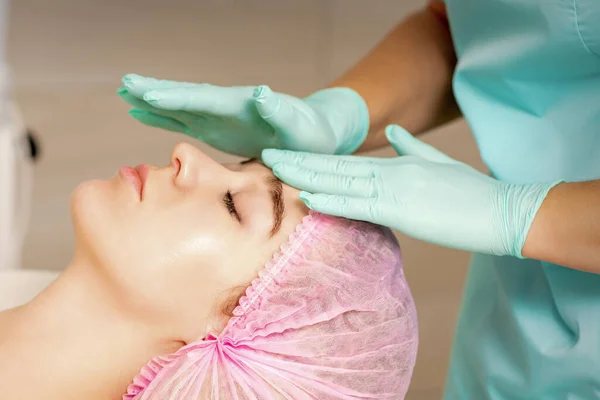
x: 171, y: 243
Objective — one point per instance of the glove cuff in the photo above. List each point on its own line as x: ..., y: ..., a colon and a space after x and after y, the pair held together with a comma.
x: 527, y: 200
x: 347, y: 114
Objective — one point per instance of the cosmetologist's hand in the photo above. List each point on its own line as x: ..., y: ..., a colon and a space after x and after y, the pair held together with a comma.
x: 422, y: 193
x: 245, y: 120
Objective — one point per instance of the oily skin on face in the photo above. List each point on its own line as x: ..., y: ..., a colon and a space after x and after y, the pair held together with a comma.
x: 149, y: 271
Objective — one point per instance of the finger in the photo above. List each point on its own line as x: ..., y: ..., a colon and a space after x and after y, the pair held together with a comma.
x: 134, y: 101
x: 357, y: 208
x: 340, y: 165
x: 185, y: 118
x: 406, y: 144
x: 138, y: 85
x: 319, y: 182
x: 203, y: 99
x: 158, y: 121
x: 275, y: 109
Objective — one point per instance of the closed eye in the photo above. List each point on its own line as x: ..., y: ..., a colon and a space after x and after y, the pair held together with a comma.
x: 229, y: 203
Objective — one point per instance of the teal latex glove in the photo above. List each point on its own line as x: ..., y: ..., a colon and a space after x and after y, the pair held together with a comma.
x: 246, y: 120
x: 423, y: 193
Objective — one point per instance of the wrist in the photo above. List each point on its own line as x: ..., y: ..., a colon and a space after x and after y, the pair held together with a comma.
x: 566, y: 229
x: 347, y: 114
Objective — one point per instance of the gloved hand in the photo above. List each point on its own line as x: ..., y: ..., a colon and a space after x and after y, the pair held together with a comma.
x: 423, y: 193
x: 246, y: 120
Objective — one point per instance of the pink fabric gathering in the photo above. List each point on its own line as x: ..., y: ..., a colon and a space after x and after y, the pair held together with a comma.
x: 330, y: 317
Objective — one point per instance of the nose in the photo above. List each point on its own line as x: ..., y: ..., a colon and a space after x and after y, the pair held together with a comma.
x: 192, y: 167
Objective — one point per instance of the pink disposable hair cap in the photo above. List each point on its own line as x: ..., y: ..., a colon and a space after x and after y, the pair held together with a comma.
x: 329, y: 317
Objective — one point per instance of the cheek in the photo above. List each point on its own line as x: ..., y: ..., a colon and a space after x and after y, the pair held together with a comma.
x: 172, y: 260
x: 194, y: 244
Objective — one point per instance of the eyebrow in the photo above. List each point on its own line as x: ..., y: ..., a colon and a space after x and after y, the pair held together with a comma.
x: 276, y: 191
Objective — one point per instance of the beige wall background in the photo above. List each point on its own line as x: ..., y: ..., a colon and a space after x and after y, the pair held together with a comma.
x: 68, y: 57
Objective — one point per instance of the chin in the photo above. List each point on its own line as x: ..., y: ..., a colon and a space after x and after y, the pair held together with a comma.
x: 95, y: 213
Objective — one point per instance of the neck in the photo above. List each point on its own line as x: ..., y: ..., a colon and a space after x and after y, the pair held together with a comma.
x: 74, y: 342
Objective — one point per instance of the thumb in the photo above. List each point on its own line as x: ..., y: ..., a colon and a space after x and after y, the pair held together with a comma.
x: 405, y: 144
x: 274, y: 109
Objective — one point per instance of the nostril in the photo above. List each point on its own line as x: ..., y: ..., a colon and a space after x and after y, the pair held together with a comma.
x: 177, y: 164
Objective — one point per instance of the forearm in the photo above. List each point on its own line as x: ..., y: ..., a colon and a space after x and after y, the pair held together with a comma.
x: 406, y: 79
x: 566, y: 228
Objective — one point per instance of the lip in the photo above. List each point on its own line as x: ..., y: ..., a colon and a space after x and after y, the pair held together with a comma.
x: 143, y: 170
x: 133, y: 176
